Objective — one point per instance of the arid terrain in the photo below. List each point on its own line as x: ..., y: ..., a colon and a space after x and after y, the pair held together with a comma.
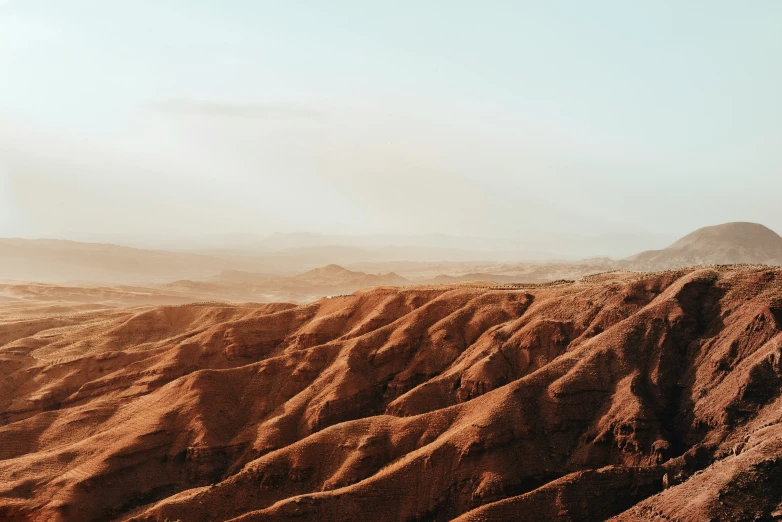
x: 390, y: 261
x: 637, y: 396
x: 304, y: 274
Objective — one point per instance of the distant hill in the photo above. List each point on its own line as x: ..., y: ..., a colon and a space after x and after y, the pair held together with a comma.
x: 494, y: 278
x: 336, y: 275
x: 729, y: 243
x: 234, y: 285
x: 272, y: 275
x: 60, y: 261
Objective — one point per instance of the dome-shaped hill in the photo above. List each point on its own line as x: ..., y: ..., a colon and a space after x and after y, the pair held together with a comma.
x: 331, y: 269
x: 728, y: 243
x: 331, y: 275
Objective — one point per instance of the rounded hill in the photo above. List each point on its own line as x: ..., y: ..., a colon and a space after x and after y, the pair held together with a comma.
x: 729, y: 243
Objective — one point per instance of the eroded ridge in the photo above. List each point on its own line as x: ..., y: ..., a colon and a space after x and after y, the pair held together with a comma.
x: 640, y: 397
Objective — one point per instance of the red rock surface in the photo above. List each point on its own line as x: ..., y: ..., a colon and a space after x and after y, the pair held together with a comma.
x: 640, y: 397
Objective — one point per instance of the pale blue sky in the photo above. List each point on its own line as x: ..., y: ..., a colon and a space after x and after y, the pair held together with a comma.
x: 512, y: 119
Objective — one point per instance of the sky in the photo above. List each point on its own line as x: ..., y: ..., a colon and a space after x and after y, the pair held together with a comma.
x: 539, y: 122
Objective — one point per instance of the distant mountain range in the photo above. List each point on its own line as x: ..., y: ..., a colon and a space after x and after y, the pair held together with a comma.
x: 299, y: 273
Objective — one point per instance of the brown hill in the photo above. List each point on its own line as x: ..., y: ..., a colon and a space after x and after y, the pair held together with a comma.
x: 305, y: 287
x: 229, y: 286
x: 642, y: 397
x: 729, y: 243
x: 335, y: 275
x: 48, y: 260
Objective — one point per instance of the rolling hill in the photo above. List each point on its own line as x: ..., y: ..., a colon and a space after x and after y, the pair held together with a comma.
x: 639, y: 397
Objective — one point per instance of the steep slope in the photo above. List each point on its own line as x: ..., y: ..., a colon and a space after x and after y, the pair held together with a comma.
x: 619, y: 395
x: 721, y: 244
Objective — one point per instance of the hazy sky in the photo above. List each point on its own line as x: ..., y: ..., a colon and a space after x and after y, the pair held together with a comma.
x: 506, y: 119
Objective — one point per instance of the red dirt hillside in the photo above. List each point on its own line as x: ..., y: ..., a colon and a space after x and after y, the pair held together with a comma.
x: 640, y: 397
